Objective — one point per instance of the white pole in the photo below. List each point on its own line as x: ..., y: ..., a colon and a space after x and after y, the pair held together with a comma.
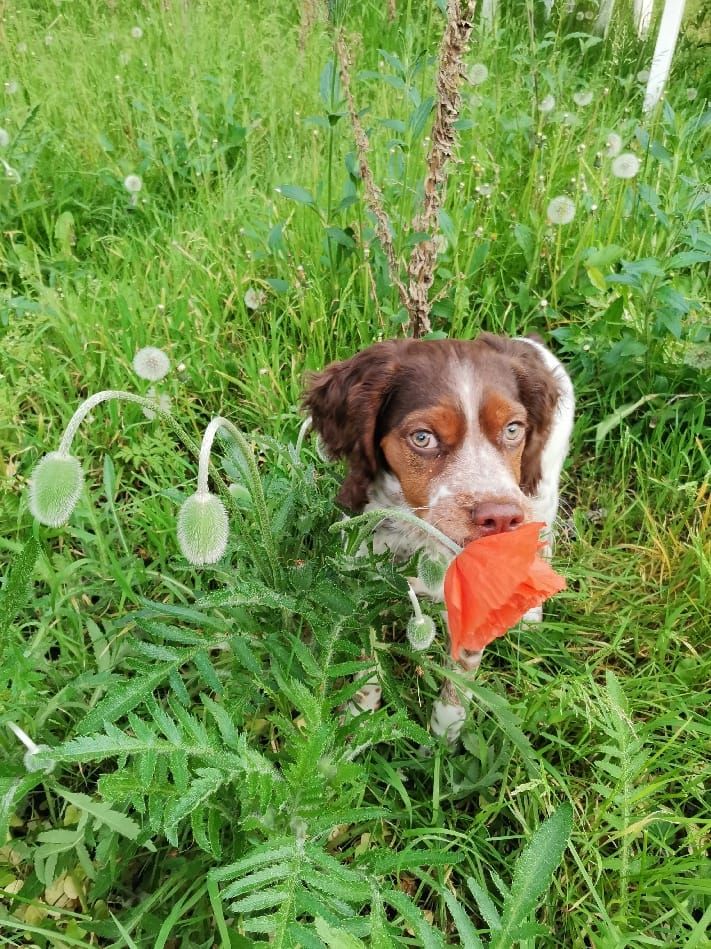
x: 643, y: 10
x: 663, y: 52
x: 602, y: 23
x: 488, y: 13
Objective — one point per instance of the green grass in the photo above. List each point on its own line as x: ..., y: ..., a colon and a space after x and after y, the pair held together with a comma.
x: 604, y: 706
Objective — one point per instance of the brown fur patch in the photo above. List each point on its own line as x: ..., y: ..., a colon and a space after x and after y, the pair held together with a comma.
x: 415, y: 470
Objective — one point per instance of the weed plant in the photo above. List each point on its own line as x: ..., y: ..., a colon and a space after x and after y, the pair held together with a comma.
x: 185, y: 177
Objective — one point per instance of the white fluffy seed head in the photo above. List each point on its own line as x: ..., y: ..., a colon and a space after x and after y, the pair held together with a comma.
x: 546, y: 104
x: 613, y: 145
x: 55, y: 486
x: 162, y: 404
x: 254, y: 299
x: 136, y: 32
x: 561, y: 210
x: 203, y: 528
x: 477, y: 74
x: 421, y: 632
x: 132, y: 183
x: 626, y: 165
x: 4, y: 138
x: 583, y: 98
x: 151, y: 363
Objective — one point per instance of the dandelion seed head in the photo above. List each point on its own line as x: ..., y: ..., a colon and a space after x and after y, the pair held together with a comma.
x: 136, y: 32
x: 55, y: 487
x: 4, y: 138
x: 478, y: 73
x: 21, y: 48
x: 254, y: 299
x: 547, y: 104
x: 698, y: 356
x: 132, y: 183
x: 583, y: 98
x: 485, y: 190
x: 626, y: 165
x: 613, y: 145
x: 151, y: 363
x: 162, y: 403
x: 440, y: 244
x: 12, y: 86
x: 643, y: 75
x: 203, y: 529
x: 561, y: 210
x: 691, y: 94
x: 48, y: 40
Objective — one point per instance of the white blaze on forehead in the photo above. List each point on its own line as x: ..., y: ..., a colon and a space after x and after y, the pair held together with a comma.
x: 468, y: 389
x: 477, y: 467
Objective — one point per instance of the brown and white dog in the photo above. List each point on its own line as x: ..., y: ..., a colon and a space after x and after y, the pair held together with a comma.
x: 469, y: 435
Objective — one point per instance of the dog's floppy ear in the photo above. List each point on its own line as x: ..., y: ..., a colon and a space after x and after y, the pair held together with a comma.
x: 344, y: 401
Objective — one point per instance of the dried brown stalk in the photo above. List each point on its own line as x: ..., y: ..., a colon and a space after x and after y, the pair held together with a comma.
x: 311, y: 11
x: 373, y: 194
x: 392, y: 10
x: 421, y: 266
x: 443, y: 140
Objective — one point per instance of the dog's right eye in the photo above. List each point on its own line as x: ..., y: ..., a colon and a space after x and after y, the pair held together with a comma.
x: 423, y: 439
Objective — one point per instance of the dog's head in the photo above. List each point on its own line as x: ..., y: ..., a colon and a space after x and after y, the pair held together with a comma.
x: 459, y: 425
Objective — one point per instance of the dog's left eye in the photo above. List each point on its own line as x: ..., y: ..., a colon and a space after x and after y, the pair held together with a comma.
x: 513, y: 431
x: 423, y: 439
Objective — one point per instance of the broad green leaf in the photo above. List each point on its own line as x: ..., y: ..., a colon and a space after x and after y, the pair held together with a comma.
x: 532, y: 874
x: 296, y: 193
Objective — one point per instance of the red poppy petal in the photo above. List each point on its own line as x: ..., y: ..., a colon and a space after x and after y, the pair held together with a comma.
x: 493, y: 583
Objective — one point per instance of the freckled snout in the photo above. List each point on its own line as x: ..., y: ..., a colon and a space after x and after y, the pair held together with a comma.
x: 493, y: 517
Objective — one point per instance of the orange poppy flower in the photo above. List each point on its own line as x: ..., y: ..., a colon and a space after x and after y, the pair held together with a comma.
x: 492, y: 583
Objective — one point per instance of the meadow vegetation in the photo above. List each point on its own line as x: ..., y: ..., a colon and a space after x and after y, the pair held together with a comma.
x: 184, y: 175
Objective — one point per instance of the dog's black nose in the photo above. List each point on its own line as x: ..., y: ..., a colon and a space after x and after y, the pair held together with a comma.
x: 493, y: 517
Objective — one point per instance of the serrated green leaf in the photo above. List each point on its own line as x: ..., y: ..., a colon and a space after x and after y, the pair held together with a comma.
x: 265, y: 899
x: 16, y: 588
x: 102, y: 812
x: 125, y: 696
x: 272, y: 852
x: 199, y: 791
x: 429, y: 938
x: 485, y: 904
x: 336, y: 938
x: 255, y: 880
x: 468, y: 935
x: 249, y: 593
x: 532, y: 874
